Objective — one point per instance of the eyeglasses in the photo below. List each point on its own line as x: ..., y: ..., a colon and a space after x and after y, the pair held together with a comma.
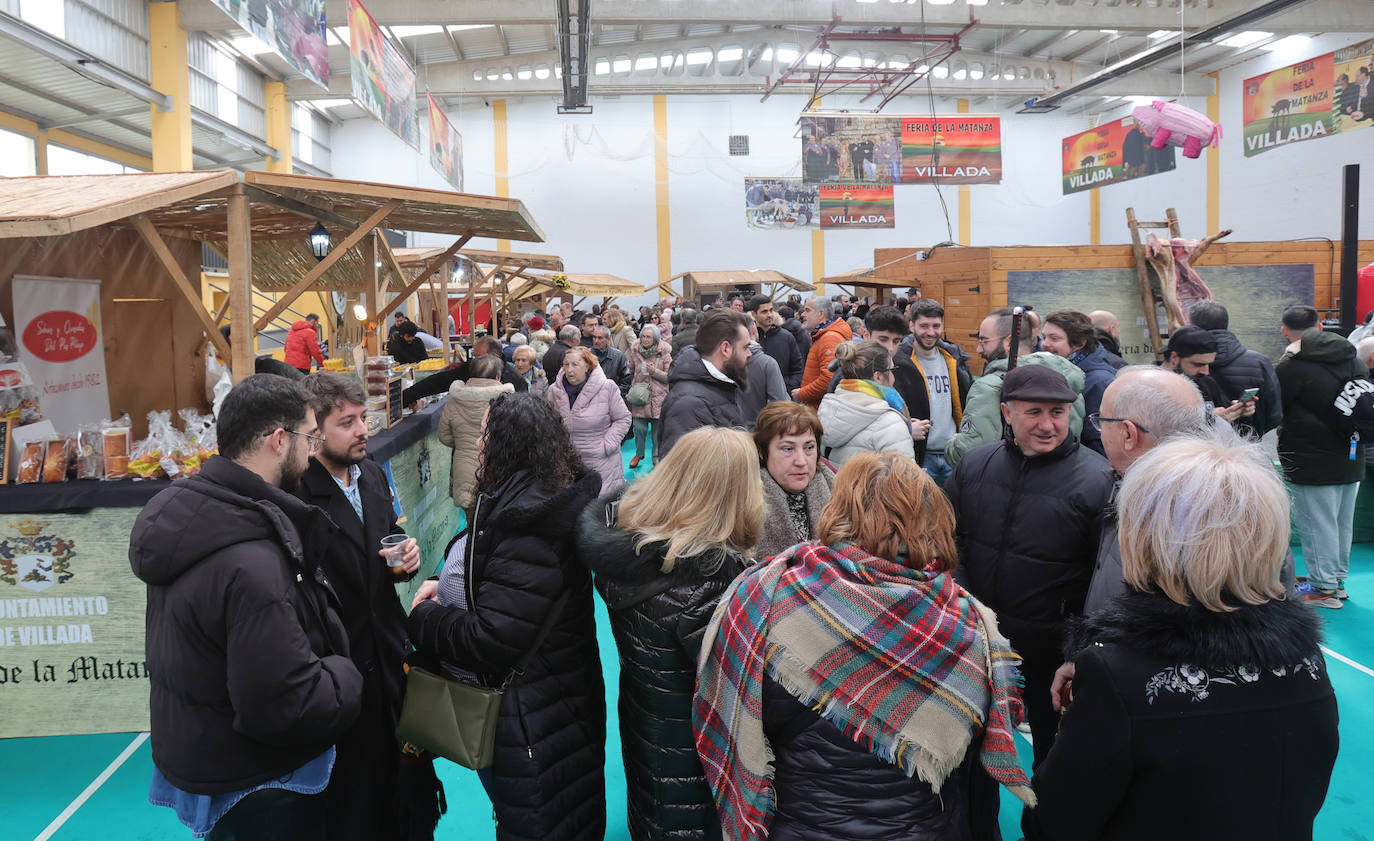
x: 314, y: 442
x: 987, y: 340
x: 1097, y: 420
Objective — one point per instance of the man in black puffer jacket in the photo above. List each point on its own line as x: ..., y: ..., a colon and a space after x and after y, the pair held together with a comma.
x: 658, y: 619
x: 251, y: 679
x: 1029, y: 513
x: 1237, y: 368
x: 705, y: 382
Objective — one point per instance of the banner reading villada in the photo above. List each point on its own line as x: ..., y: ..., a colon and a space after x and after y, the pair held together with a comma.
x: 1113, y: 152
x: 951, y: 149
x: 1332, y: 93
x: 856, y: 206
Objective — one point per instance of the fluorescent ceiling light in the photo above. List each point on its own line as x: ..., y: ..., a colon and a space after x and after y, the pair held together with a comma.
x: 464, y: 26
x: 1241, y: 40
x: 1108, y: 31
x: 248, y: 45
x: 977, y: 2
x: 409, y: 31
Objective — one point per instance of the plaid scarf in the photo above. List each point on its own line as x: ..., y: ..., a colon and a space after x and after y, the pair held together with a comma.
x: 904, y: 662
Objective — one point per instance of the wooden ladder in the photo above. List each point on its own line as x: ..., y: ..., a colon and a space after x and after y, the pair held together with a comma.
x: 1155, y: 336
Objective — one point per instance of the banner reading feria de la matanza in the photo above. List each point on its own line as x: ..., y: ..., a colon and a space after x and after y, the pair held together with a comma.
x: 1113, y: 152
x: 949, y: 149
x: 1330, y: 94
x: 61, y: 342
x: 383, y: 82
x: 856, y: 206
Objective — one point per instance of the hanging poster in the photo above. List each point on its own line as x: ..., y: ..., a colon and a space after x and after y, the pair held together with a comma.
x: 951, y: 149
x: 1113, y: 152
x: 383, y: 81
x: 445, y: 145
x: 294, y: 29
x: 61, y: 343
x: 856, y: 206
x: 780, y: 204
x: 1331, y: 93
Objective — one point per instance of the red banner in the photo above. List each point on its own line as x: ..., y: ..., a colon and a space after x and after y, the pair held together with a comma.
x: 856, y: 206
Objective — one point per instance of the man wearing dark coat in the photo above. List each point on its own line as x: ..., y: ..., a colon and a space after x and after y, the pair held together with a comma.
x: 353, y: 491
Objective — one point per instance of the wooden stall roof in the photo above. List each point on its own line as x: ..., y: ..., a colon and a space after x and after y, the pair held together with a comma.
x: 865, y: 277
x: 730, y: 279
x: 53, y: 205
x: 581, y: 285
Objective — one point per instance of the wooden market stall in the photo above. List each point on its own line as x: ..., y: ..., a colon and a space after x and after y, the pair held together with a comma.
x: 141, y: 237
x: 488, y: 283
x: 768, y: 281
x: 608, y: 287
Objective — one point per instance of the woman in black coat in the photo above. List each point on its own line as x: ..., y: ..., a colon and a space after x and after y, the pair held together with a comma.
x: 548, y: 780
x: 1200, y: 703
x: 662, y: 554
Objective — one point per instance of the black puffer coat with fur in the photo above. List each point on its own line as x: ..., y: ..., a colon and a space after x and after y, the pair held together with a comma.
x: 1191, y: 725
x: 658, y: 619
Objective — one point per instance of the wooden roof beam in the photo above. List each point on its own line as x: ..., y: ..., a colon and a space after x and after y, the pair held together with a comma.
x: 164, y: 256
x: 433, y: 266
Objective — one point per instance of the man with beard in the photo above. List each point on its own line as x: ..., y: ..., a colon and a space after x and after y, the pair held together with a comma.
x: 706, y: 380
x: 776, y: 341
x: 982, y: 421
x: 252, y: 683
x: 353, y: 491
x: 1191, y: 352
x: 944, y: 383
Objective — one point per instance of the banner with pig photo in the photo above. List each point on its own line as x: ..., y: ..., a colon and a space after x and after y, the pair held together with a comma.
x: 1332, y: 93
x: 1109, y: 154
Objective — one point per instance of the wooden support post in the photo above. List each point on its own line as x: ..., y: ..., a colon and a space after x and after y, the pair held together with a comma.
x: 169, y: 262
x: 368, y: 250
x: 433, y: 266
x: 328, y: 262
x: 240, y: 260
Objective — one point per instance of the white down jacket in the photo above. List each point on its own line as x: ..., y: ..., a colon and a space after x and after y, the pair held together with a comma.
x: 856, y: 423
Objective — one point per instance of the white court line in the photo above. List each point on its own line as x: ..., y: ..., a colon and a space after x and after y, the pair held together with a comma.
x: 1346, y: 660
x: 91, y: 789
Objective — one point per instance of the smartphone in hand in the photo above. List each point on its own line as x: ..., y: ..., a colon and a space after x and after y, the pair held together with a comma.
x: 1249, y: 394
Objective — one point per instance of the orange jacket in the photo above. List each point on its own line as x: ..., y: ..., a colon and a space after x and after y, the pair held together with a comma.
x: 302, y: 345
x: 816, y: 378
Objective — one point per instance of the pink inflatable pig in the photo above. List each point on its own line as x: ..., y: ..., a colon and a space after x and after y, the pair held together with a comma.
x: 1171, y: 124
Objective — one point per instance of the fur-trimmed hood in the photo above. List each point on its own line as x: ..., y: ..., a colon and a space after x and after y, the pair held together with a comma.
x: 1270, y: 635
x: 609, y: 552
x: 479, y: 390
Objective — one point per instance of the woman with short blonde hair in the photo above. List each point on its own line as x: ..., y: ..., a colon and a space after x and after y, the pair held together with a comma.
x: 662, y: 554
x: 849, y: 685
x: 1203, y: 686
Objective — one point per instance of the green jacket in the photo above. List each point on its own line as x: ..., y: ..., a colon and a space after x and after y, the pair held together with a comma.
x: 982, y: 423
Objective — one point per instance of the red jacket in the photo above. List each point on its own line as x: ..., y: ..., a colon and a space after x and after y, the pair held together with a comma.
x: 816, y: 377
x: 302, y: 345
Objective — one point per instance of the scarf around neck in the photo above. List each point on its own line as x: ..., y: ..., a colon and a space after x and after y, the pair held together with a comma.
x: 872, y: 389
x: 904, y: 662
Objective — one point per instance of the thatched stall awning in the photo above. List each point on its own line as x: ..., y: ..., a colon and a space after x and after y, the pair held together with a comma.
x: 579, y: 285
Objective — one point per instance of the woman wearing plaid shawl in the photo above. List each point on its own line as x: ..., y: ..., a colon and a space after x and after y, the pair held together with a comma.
x: 847, y: 687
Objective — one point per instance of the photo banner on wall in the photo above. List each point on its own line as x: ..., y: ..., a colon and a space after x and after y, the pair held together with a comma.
x: 1113, y: 152
x: 1330, y: 94
x: 950, y: 149
x: 780, y: 204
x: 62, y: 343
x: 383, y: 81
x: 856, y: 206
x: 294, y: 29
x: 445, y: 145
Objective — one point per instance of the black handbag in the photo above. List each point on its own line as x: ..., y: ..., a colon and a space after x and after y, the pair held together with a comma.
x: 457, y: 720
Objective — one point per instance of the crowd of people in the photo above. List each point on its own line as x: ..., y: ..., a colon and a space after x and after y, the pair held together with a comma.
x: 853, y: 573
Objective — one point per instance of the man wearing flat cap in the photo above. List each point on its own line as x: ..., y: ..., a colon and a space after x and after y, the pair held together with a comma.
x: 1029, y: 512
x: 1191, y: 352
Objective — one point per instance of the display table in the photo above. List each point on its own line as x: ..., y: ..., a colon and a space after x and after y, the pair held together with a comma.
x: 72, y: 612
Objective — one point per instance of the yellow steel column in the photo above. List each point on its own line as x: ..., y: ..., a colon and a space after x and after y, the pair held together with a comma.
x: 662, y: 216
x: 171, y: 75
x: 40, y: 152
x: 502, y: 162
x: 818, y: 260
x: 965, y: 208
x: 1094, y: 216
x: 1214, y: 162
x: 278, y: 126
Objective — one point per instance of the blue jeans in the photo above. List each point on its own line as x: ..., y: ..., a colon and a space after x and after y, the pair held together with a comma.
x: 1325, y: 517
x: 936, y: 466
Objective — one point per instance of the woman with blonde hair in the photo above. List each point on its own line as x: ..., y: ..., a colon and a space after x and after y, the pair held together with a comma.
x: 620, y: 333
x: 865, y: 413
x: 1200, y: 706
x: 662, y: 553
x: 849, y: 685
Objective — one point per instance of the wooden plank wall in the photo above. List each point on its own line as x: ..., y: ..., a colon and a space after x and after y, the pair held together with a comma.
x: 950, y: 274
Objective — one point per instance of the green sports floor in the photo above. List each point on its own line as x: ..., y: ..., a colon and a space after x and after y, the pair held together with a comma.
x: 94, y: 788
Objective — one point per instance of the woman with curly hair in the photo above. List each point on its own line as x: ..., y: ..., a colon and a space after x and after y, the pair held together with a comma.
x: 508, y: 572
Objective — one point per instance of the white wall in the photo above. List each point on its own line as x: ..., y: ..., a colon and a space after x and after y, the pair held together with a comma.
x: 589, y: 181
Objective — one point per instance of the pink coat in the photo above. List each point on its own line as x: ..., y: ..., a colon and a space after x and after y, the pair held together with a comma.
x: 597, y: 425
x: 659, y: 362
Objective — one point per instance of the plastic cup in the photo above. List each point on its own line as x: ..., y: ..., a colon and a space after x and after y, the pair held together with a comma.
x: 394, y: 545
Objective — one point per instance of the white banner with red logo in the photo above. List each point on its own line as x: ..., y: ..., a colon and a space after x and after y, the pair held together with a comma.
x: 57, y: 323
